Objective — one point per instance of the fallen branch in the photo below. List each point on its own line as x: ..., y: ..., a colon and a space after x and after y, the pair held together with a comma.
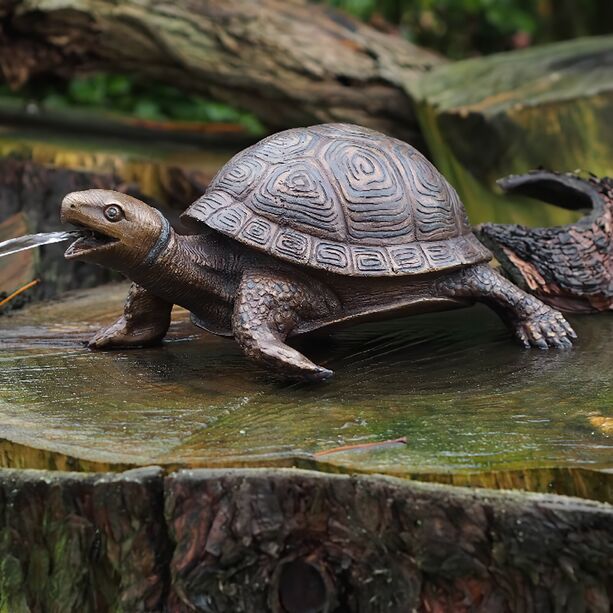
x: 290, y: 63
x: 16, y: 293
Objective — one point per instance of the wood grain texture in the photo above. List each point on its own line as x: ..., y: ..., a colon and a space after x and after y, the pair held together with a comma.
x: 195, y: 401
x: 20, y: 269
x: 291, y: 63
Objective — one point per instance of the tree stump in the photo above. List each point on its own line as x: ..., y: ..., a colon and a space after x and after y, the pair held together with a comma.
x: 293, y: 541
x: 243, y: 513
x: 549, y: 106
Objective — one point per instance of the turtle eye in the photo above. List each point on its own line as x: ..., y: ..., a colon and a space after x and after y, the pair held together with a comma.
x: 113, y: 213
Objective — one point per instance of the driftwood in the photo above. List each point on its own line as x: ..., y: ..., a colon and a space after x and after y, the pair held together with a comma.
x: 291, y: 63
x: 569, y: 267
x: 294, y: 541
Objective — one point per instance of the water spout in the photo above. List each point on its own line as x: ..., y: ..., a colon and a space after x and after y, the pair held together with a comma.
x: 30, y: 241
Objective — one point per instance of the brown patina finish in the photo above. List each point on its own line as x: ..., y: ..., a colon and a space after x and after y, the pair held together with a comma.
x: 308, y: 229
x: 569, y: 267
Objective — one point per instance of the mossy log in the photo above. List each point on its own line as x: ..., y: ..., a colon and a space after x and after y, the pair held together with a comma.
x: 548, y: 106
x: 291, y: 63
x: 293, y: 541
x: 82, y: 543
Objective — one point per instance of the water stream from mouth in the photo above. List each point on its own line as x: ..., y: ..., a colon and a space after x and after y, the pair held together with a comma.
x: 30, y: 241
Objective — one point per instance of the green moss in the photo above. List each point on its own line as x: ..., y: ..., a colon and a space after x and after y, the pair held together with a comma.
x: 546, y: 107
x: 12, y: 595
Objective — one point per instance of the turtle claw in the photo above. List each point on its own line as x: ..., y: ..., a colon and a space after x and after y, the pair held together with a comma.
x: 544, y: 330
x: 320, y: 374
x: 122, y: 335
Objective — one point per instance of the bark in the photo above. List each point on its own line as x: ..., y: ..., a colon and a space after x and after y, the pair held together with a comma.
x: 298, y: 541
x: 82, y: 543
x: 291, y: 63
x: 569, y: 267
x: 294, y: 541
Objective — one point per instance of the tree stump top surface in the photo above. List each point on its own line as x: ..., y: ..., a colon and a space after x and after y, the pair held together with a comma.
x: 474, y: 407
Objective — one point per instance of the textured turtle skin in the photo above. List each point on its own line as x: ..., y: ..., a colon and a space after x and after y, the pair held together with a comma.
x: 309, y: 229
x: 344, y: 199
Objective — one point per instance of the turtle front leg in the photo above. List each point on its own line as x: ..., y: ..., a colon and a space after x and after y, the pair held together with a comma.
x: 531, y: 321
x: 267, y: 309
x: 145, y: 321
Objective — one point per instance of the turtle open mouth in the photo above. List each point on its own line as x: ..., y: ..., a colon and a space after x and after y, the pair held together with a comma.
x: 88, y: 241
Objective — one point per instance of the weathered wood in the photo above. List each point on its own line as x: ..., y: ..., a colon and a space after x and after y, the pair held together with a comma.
x: 81, y: 543
x: 196, y: 402
x: 569, y: 267
x: 293, y: 541
x: 549, y: 106
x: 171, y: 174
x: 291, y: 63
x: 17, y: 271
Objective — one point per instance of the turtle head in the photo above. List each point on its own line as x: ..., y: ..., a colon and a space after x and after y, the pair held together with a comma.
x: 119, y: 231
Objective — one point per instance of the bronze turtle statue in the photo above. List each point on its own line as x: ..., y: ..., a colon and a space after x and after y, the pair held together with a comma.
x: 309, y: 228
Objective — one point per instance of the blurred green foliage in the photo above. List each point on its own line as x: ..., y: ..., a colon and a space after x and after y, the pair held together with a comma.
x: 464, y: 28
x: 125, y: 95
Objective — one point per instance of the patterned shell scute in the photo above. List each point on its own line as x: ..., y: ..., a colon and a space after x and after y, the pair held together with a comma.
x: 372, y: 192
x: 301, y: 196
x: 343, y: 199
x: 284, y: 145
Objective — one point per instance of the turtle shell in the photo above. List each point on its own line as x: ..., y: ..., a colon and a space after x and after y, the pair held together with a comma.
x: 344, y: 199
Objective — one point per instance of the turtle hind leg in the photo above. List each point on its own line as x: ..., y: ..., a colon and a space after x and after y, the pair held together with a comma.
x: 145, y: 321
x: 267, y: 308
x: 534, y: 323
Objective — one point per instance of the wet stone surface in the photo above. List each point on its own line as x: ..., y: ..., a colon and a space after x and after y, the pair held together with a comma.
x: 473, y: 406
